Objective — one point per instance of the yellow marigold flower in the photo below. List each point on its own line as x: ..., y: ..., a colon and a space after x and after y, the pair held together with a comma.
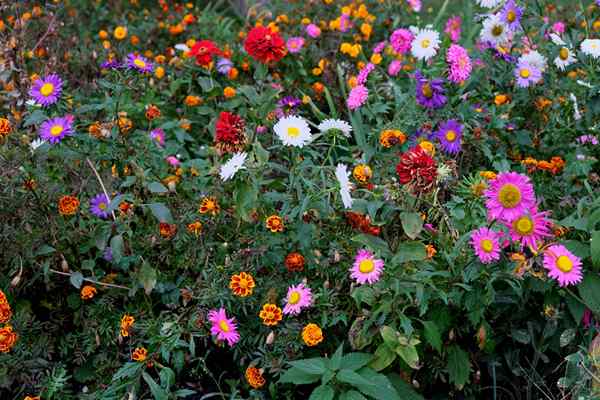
x: 68, y: 205
x: 242, y: 284
x: 362, y: 12
x: 120, y: 32
x: 355, y: 50
x: 345, y: 48
x: 106, y: 44
x: 139, y: 354
x: 305, y: 99
x: 317, y: 71
x: 428, y: 147
x: 501, y: 99
x: 209, y: 205
x: 274, y: 223
x: 254, y: 377
x: 366, y: 29
x: 229, y: 92
x: 5, y: 128
x: 127, y: 322
x: 125, y: 124
x: 88, y: 292
x: 489, y: 175
x: 282, y: 19
x: 159, y: 72
x: 391, y: 137
x: 305, y: 21
x: 362, y: 173
x: 530, y: 161
x: 270, y: 314
x: 8, y: 338
x: 352, y: 82
x: 376, y: 58
x: 312, y: 335
x: 5, y: 312
x: 195, y: 228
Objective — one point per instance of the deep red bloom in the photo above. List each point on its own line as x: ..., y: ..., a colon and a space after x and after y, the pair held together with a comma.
x: 229, y: 132
x: 264, y: 45
x: 417, y: 169
x: 204, y: 50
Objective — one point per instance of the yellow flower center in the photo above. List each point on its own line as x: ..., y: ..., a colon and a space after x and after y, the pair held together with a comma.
x: 427, y: 91
x: 425, y: 43
x: 509, y: 196
x: 47, y: 89
x: 366, y: 266
x: 563, y: 53
x: 511, y: 16
x: 293, y: 131
x: 243, y: 283
x: 451, y: 136
x: 497, y: 30
x: 102, y: 206
x: 523, y: 226
x: 524, y: 73
x: 223, y: 325
x: 56, y: 130
x: 486, y: 245
x: 294, y: 298
x: 564, y: 263
x: 139, y: 63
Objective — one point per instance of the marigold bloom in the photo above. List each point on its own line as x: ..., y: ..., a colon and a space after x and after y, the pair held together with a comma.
x: 270, y: 314
x: 3, y: 298
x: 312, y: 335
x: 127, y: 322
x: 362, y: 173
x: 139, y: 354
x: 294, y: 262
x: 195, y: 228
x: 274, y: 223
x: 5, y: 128
x: 120, y: 32
x: 167, y: 230
x: 254, y: 377
x: 489, y: 175
x: 152, y: 112
x: 68, y: 205
x: 242, y: 284
x: 32, y: 398
x: 8, y: 338
x: 192, y: 101
x: 209, y: 205
x: 88, y: 292
x: 229, y: 92
x: 5, y: 312
x: 391, y: 137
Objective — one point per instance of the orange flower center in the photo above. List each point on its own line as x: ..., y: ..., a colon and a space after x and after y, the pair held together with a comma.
x: 427, y: 91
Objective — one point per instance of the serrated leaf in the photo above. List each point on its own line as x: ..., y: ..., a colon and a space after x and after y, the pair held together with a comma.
x: 409, y: 251
x: 352, y: 378
x: 336, y: 360
x: 325, y: 392
x: 354, y: 361
x: 128, y: 370
x: 315, y: 366
x: 374, y: 243
x: 459, y: 366
x: 298, y: 377
x: 76, y: 279
x: 432, y: 335
x: 412, y: 223
x: 161, y: 212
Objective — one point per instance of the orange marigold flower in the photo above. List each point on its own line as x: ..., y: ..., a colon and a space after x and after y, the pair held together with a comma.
x: 3, y: 298
x: 391, y: 137
x: 242, y: 284
x: 5, y: 312
x: 167, y: 230
x: 139, y: 354
x: 294, y: 262
x: 312, y: 334
x: 125, y: 124
x: 229, y: 92
x: 557, y: 164
x: 127, y: 322
x: 275, y: 223
x: 125, y: 208
x: 195, y: 228
x: 120, y: 32
x: 431, y: 251
x: 489, y: 175
x: 270, y: 314
x: 254, y: 377
x: 5, y: 128
x: 362, y: 173
x: 501, y: 99
x: 68, y: 205
x: 192, y: 101
x: 152, y: 112
x: 32, y: 398
x: 8, y: 338
x: 209, y: 205
x: 88, y: 292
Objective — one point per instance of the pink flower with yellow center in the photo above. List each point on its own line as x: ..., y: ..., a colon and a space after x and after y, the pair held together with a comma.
x: 485, y: 242
x: 509, y: 196
x: 562, y: 265
x: 222, y: 327
x: 366, y: 268
x: 298, y: 297
x: 530, y: 228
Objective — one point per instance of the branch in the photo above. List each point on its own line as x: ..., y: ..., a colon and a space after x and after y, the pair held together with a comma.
x: 102, y: 185
x: 90, y: 280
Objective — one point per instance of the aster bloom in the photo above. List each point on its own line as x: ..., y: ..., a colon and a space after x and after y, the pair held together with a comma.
x: 222, y: 327
x: 511, y: 15
x: 379, y: 47
x: 287, y: 105
x: 488, y: 3
x: 335, y: 124
x: 415, y: 5
x: 231, y: 167
x: 99, y: 205
x: 363, y: 74
x: 530, y: 228
x: 298, y: 297
x: 494, y: 31
x: 591, y: 47
x: 429, y: 93
x: 295, y: 44
x: 366, y: 268
x: 509, y: 196
x: 459, y: 64
x: 401, y: 40
x: 453, y: 28
x: 535, y: 59
x: 313, y: 31
x: 357, y: 97
x: 204, y: 51
x: 264, y: 45
x: 139, y: 63
x: 425, y: 44
x: 562, y: 265
x: 450, y: 136
x: 564, y: 59
x: 229, y: 133
x: 293, y: 131
x: 56, y: 129
x: 224, y: 65
x: 417, y: 169
x: 395, y: 67
x: 111, y: 63
x: 342, y: 175
x: 46, y: 91
x: 527, y: 75
x: 486, y: 245
x: 158, y: 136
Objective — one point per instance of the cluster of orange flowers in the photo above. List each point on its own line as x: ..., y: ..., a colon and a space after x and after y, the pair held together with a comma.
x: 554, y: 166
x: 8, y: 337
x: 139, y: 354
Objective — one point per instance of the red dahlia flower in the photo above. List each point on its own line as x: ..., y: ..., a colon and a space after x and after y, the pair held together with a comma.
x: 204, y: 50
x: 417, y: 169
x: 229, y: 133
x: 264, y: 45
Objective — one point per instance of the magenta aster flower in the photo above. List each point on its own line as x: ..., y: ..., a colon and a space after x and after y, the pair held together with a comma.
x: 459, y: 64
x: 222, y: 327
x: 562, y: 265
x: 99, y: 205
x: 379, y: 47
x: 295, y: 44
x: 395, y: 67
x: 139, y: 63
x: 450, y: 136
x: 363, y: 74
x: 509, y: 196
x: 527, y: 75
x: 357, y: 97
x: 401, y: 40
x: 298, y: 297
x: 530, y: 228
x: 45, y: 91
x: 158, y: 135
x: 366, y: 269
x: 313, y: 31
x: 453, y: 28
x: 486, y: 245
x: 54, y: 130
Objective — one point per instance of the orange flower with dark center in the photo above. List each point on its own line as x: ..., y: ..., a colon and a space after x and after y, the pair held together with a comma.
x: 8, y: 338
x: 195, y: 228
x: 152, y: 112
x: 68, y: 205
x: 127, y: 322
x: 242, y: 284
x: 5, y: 128
x: 270, y: 314
x: 167, y: 230
x: 391, y: 137
x: 274, y: 223
x: 312, y: 335
x: 209, y: 205
x: 5, y: 312
x: 88, y: 292
x: 139, y: 354
x: 362, y: 173
x: 294, y: 262
x: 254, y: 377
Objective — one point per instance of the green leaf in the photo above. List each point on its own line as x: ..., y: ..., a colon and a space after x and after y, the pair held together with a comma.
x: 352, y: 378
x: 262, y: 155
x: 128, y: 370
x: 389, y: 336
x: 147, y: 278
x: 374, y: 243
x: 298, y: 377
x: 381, y: 389
x: 384, y: 357
x: 459, y: 366
x: 589, y: 290
x: 116, y: 247
x: 183, y: 393
x: 354, y: 361
x: 44, y: 250
x: 409, y: 354
x: 432, y: 335
x: 363, y: 294
x: 161, y: 212
x: 76, y: 279
x: 336, y: 360
x: 245, y: 200
x: 157, y: 187
x: 404, y: 389
x: 409, y: 251
x: 325, y: 392
x: 157, y: 392
x: 167, y: 377
x: 412, y: 223
x: 595, y: 248
x: 314, y: 366
x: 352, y: 395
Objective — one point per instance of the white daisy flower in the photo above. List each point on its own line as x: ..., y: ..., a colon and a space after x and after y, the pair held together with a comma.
x: 591, y: 47
x: 338, y: 124
x: 535, y: 59
x: 425, y: 44
x: 35, y: 144
x: 494, y: 30
x: 182, y: 47
x: 576, y: 113
x: 342, y: 175
x: 564, y: 59
x: 229, y: 169
x: 488, y: 3
x: 557, y: 40
x: 293, y: 131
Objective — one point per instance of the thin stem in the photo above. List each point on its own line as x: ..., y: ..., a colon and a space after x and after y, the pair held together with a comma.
x: 90, y: 280
x: 101, y: 184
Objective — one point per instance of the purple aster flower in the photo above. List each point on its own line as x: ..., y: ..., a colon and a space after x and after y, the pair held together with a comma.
x: 588, y: 139
x: 99, y: 205
x: 295, y: 44
x: 450, y: 136
x: 363, y: 74
x: 357, y: 97
x: 511, y: 15
x: 430, y: 93
x: 111, y: 64
x: 45, y: 91
x: 107, y: 255
x: 527, y: 75
x: 158, y: 135
x: 224, y: 65
x: 54, y: 130
x: 287, y: 105
x: 139, y: 63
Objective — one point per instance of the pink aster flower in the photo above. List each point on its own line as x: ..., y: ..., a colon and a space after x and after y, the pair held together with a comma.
x: 459, y: 64
x: 298, y: 297
x: 366, y: 268
x: 527, y: 75
x: 509, y: 196
x: 363, y: 74
x: 559, y: 27
x: 295, y: 44
x: 562, y: 265
x: 222, y: 327
x: 415, y: 5
x: 158, y: 136
x: 485, y: 244
x: 313, y: 31
x: 530, y: 228
x: 173, y: 161
x: 401, y: 40
x: 379, y: 47
x: 395, y: 67
x: 453, y: 28
x: 357, y: 97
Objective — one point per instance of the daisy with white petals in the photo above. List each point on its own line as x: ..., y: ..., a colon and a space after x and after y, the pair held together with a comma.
x: 342, y: 175
x: 337, y: 124
x: 425, y: 44
x: 293, y: 131
x: 564, y: 59
x: 494, y: 30
x: 489, y: 3
x: 229, y: 169
x: 535, y: 59
x: 591, y: 47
